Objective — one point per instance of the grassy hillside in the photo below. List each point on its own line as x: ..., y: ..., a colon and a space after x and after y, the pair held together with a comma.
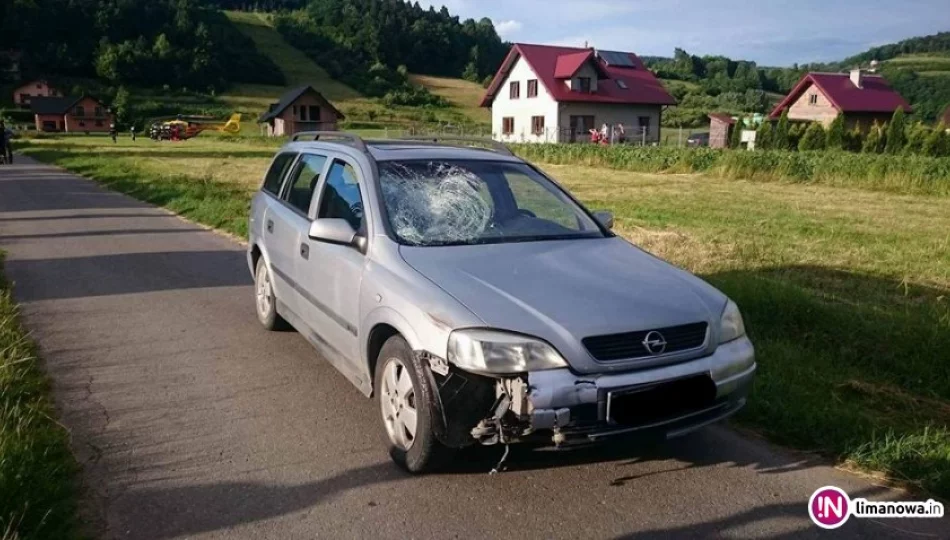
x: 463, y: 94
x: 297, y: 68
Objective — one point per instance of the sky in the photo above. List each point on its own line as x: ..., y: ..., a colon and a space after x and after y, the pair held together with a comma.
x: 770, y: 32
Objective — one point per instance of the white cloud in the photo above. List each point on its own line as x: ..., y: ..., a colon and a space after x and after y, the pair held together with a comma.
x: 506, y: 28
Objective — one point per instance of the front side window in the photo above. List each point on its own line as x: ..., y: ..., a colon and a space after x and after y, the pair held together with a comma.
x: 537, y: 125
x: 304, y: 181
x: 437, y: 203
x: 341, y: 197
x: 533, y: 88
x: 508, y: 125
x: 275, y: 174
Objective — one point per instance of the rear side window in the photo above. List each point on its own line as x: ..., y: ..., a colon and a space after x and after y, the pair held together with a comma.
x: 276, y: 173
x: 304, y: 181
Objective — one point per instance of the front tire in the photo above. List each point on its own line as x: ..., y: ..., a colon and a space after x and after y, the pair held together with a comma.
x: 405, y: 401
x: 265, y: 300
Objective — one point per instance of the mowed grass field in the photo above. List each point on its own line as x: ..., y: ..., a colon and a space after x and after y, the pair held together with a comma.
x: 846, y: 292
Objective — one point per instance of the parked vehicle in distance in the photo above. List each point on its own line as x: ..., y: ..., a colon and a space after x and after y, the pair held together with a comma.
x: 479, y: 302
x: 698, y: 139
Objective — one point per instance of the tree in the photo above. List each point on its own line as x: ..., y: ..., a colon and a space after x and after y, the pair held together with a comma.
x: 120, y: 105
x: 763, y: 136
x: 896, y: 138
x: 813, y: 139
x: 875, y: 140
x: 780, y: 135
x: 916, y: 136
x: 834, y: 138
x: 735, y: 136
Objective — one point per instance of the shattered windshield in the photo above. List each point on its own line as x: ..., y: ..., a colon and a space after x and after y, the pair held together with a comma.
x: 477, y: 202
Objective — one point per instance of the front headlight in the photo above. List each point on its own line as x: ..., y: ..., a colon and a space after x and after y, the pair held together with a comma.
x: 490, y: 351
x: 730, y: 325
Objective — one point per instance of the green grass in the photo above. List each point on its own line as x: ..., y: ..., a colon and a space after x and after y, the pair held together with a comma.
x: 465, y: 95
x: 845, y: 290
x: 38, y: 487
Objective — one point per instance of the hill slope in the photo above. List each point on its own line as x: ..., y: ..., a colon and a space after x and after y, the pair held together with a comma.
x: 463, y: 94
x: 297, y: 68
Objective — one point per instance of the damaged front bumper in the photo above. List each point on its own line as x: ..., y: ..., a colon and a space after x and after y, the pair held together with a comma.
x: 570, y: 408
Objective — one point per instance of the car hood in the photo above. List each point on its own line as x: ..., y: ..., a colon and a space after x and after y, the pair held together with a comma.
x: 565, y: 290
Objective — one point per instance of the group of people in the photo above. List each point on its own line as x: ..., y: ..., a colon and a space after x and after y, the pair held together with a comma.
x: 6, y: 149
x: 607, y: 135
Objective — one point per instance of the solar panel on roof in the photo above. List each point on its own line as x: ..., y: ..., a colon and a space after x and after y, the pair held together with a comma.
x: 618, y: 59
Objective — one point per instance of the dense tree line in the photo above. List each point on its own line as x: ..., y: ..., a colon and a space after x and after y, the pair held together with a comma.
x: 347, y: 37
x: 180, y: 43
x: 937, y: 43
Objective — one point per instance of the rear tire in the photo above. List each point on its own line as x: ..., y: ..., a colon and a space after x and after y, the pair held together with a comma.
x: 265, y: 301
x: 405, y: 400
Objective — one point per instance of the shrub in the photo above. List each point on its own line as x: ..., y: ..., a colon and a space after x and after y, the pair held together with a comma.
x: 875, y: 140
x: 813, y: 139
x: 834, y: 137
x: 906, y: 174
x: 895, y: 133
x: 937, y: 143
x: 780, y: 138
x: 763, y: 136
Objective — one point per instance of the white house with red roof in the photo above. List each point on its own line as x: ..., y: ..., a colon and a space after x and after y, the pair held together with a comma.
x: 558, y: 94
x: 862, y: 98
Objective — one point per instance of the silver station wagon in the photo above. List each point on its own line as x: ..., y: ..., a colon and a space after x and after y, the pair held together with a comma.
x: 480, y: 303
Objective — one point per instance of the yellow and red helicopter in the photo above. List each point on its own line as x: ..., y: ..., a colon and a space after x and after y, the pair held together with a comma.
x: 181, y: 127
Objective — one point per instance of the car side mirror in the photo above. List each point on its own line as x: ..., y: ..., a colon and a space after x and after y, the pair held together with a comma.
x: 336, y: 231
x: 606, y: 218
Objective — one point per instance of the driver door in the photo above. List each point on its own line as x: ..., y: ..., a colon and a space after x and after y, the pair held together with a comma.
x: 332, y: 273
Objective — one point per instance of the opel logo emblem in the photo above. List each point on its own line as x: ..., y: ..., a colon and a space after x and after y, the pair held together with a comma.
x: 654, y: 343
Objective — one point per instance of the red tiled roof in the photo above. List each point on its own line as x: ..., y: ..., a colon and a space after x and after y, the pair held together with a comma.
x: 875, y: 95
x: 722, y: 118
x: 551, y: 63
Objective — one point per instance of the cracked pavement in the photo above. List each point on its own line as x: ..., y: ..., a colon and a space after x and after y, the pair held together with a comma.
x: 191, y: 421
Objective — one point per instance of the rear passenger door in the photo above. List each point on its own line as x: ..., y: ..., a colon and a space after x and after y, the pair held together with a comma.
x: 333, y: 273
x: 264, y: 231
x: 290, y: 221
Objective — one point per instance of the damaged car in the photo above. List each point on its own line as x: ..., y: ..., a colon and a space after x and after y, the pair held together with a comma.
x: 478, y: 302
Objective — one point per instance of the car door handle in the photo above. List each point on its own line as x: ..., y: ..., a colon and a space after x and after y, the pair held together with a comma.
x: 305, y: 251
x: 270, y: 225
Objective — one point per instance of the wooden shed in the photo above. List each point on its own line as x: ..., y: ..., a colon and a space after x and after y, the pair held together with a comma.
x: 720, y: 127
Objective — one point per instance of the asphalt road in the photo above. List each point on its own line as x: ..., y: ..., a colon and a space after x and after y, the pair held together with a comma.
x: 191, y: 421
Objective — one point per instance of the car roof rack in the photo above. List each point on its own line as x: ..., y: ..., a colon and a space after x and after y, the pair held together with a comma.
x: 438, y: 139
x: 352, y: 138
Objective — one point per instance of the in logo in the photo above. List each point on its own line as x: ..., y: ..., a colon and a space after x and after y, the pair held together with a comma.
x: 829, y: 507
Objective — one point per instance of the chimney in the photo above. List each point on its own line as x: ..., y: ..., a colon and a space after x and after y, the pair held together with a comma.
x: 856, y: 77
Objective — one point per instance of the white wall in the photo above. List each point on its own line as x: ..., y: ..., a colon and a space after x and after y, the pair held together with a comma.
x: 523, y: 108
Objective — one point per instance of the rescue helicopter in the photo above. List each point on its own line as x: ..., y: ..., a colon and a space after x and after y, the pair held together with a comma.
x: 181, y: 127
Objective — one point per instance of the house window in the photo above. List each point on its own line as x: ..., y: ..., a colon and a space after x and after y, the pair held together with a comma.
x: 537, y: 125
x: 82, y: 124
x: 303, y: 113
x: 24, y: 98
x: 508, y: 125
x: 514, y: 90
x: 813, y: 99
x: 98, y: 123
x: 584, y: 83
x: 98, y: 111
x: 644, y: 122
x: 533, y: 88
x: 314, y: 113
x: 80, y: 111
